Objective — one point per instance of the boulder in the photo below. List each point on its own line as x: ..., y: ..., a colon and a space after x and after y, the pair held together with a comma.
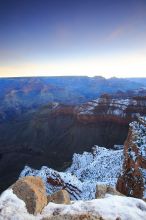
x: 103, y: 189
x: 32, y: 191
x: 60, y: 197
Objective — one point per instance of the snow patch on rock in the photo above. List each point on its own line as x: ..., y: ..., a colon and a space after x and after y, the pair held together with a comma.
x: 13, y: 208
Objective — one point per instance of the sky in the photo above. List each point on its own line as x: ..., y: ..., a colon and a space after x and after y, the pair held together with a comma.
x: 73, y: 37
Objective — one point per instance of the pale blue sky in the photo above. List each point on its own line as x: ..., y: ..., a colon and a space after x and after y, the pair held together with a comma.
x: 73, y: 37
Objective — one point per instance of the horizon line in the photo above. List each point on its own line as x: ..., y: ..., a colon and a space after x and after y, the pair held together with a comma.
x: 49, y: 76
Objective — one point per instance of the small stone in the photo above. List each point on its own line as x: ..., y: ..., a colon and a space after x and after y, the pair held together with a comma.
x: 100, y: 191
x: 60, y: 197
x: 113, y: 191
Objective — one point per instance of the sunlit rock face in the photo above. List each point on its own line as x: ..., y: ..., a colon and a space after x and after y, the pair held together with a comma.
x: 132, y: 181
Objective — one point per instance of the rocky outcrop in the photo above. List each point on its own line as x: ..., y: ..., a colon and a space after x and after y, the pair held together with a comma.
x: 107, y: 108
x: 60, y: 197
x: 80, y: 179
x: 32, y: 191
x: 103, y: 189
x: 132, y: 181
x: 55, y: 180
x: 111, y: 207
x: 104, y: 108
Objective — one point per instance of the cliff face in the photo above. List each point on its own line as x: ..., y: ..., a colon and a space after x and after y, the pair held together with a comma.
x: 109, y: 109
x: 132, y: 181
x: 105, y: 108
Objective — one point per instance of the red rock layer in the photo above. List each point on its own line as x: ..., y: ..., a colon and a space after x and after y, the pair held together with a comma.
x: 132, y: 180
x: 104, y: 109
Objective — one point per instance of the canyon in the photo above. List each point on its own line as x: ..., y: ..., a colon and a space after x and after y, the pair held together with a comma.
x: 53, y: 133
x: 93, y: 149
x: 91, y: 179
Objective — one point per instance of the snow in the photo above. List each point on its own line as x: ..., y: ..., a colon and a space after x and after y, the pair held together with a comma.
x: 55, y: 105
x: 88, y: 108
x: 87, y: 170
x: 116, y: 106
x: 139, y: 132
x: 110, y: 208
x: 139, y: 136
x: 103, y: 165
x: 12, y: 208
x: 118, y: 147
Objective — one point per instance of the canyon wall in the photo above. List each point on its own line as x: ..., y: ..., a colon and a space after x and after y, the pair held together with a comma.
x: 132, y: 181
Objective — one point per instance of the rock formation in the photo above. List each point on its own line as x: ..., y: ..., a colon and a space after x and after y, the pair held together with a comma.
x: 103, y: 189
x: 56, y: 181
x: 132, y: 181
x: 60, y: 197
x: 32, y: 191
x: 80, y: 179
x: 112, y: 207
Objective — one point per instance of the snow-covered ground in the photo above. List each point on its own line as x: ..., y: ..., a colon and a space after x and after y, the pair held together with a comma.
x: 110, y: 208
x: 100, y: 166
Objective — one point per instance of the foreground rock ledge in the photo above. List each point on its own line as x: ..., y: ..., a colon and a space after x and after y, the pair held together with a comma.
x: 109, y: 208
x: 32, y: 191
x: 83, y: 216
